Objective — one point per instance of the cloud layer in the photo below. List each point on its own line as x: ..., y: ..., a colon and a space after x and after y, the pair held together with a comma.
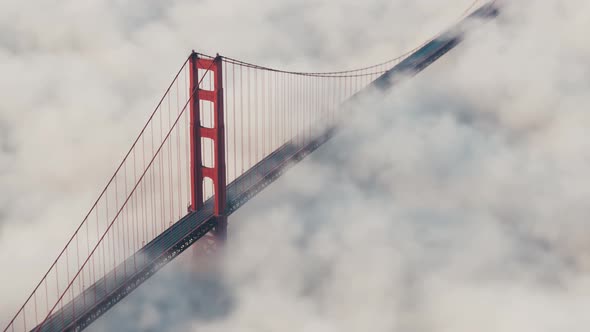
x: 456, y: 202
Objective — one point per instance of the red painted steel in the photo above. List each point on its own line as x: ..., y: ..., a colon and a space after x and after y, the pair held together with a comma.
x: 216, y: 133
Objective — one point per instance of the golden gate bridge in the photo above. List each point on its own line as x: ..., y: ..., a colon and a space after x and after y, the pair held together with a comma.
x: 223, y: 131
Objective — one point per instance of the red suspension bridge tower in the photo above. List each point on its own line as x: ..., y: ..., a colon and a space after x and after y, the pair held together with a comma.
x: 216, y: 133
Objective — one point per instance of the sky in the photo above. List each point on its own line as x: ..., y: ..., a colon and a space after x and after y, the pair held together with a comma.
x: 459, y: 204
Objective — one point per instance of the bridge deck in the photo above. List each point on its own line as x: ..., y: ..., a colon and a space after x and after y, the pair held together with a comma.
x: 107, y: 291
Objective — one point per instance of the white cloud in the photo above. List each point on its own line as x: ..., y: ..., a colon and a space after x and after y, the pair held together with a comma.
x: 458, y: 205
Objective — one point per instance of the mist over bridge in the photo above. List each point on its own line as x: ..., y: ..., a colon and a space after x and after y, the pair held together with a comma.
x: 222, y: 132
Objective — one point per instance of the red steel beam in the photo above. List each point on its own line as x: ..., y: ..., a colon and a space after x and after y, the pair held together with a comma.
x: 216, y: 133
